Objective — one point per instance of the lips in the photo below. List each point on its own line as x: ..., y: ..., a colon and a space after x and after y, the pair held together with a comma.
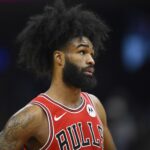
x: 89, y: 71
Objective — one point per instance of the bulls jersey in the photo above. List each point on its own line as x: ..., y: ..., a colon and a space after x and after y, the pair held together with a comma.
x: 71, y: 129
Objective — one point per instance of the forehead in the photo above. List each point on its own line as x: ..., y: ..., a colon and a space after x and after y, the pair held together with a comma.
x: 75, y: 42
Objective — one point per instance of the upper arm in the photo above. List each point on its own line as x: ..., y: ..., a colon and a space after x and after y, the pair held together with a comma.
x: 19, y: 128
x: 108, y: 141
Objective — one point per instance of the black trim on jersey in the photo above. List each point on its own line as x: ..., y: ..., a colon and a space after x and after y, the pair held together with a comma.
x: 86, y: 95
x: 63, y: 106
x: 50, y: 124
x: 100, y: 129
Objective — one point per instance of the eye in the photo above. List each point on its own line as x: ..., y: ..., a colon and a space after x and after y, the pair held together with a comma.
x: 82, y: 52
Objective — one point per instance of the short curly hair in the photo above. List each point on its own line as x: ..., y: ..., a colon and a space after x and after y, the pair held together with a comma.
x: 51, y: 30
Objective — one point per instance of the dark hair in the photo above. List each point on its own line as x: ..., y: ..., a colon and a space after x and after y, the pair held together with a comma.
x: 52, y: 29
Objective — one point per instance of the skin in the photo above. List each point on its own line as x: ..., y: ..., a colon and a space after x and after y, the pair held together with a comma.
x: 23, y: 127
x: 29, y: 125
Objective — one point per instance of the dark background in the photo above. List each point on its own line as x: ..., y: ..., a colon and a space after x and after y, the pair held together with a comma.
x: 123, y: 71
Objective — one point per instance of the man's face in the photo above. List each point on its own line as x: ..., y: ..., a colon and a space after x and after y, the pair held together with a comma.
x: 79, y: 64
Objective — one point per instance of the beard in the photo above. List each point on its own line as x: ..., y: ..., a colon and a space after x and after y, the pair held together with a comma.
x: 75, y: 77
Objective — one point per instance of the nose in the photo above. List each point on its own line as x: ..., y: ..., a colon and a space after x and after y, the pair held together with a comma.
x: 90, y: 60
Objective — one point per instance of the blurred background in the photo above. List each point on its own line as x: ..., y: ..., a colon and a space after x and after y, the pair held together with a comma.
x: 123, y: 71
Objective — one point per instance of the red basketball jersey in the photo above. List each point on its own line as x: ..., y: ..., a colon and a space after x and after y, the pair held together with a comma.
x: 71, y: 129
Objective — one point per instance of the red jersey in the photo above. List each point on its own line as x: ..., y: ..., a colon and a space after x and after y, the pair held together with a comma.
x: 71, y: 129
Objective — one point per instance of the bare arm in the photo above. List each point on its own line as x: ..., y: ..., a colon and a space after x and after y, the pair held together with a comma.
x: 20, y: 128
x: 108, y: 141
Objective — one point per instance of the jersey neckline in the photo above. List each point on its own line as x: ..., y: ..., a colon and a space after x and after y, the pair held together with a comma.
x: 79, y: 108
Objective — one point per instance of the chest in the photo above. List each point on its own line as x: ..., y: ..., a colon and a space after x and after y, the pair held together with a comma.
x: 76, y: 130
x: 70, y: 129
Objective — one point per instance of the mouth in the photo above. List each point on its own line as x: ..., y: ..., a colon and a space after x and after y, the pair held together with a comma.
x: 89, y: 71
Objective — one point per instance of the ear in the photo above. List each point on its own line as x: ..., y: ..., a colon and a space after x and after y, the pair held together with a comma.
x: 59, y: 57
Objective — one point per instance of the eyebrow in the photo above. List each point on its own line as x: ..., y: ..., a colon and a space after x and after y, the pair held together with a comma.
x: 84, y: 45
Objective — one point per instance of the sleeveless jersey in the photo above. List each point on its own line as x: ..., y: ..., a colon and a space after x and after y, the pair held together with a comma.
x: 71, y: 129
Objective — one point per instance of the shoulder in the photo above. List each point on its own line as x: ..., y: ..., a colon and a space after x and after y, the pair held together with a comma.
x: 28, y: 113
x: 25, y: 122
x: 99, y: 108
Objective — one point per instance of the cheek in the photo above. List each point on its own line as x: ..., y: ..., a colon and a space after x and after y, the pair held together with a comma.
x: 81, y: 59
x: 79, y: 64
x: 77, y: 59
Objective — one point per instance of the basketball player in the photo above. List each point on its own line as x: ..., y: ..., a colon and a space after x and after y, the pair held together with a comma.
x: 61, y: 42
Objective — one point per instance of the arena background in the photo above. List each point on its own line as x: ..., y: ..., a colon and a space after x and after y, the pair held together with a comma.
x: 123, y: 71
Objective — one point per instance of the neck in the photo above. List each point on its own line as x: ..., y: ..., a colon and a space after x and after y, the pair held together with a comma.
x: 67, y: 95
